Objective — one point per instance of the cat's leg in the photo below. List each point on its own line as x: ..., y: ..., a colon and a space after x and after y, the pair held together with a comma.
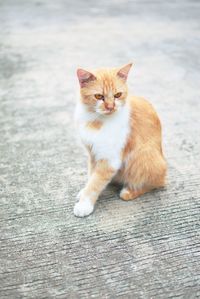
x: 90, y: 169
x: 129, y: 194
x: 91, y: 165
x: 100, y: 178
x: 145, y: 171
x: 91, y: 161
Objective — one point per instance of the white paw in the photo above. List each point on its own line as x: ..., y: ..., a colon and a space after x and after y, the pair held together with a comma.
x: 83, y: 208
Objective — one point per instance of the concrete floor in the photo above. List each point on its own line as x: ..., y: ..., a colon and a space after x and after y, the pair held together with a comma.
x: 147, y: 248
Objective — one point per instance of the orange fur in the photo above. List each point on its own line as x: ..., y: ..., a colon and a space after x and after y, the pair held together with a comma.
x: 94, y: 125
x: 99, y: 178
x: 143, y: 164
x: 129, y: 194
x: 107, y: 83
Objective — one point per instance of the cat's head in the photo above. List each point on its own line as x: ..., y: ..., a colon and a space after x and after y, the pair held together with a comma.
x: 104, y: 91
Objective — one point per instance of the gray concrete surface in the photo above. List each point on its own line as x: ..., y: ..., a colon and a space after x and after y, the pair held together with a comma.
x: 147, y: 248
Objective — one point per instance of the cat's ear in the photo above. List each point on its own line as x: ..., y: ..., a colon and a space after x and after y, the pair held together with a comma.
x: 123, y: 72
x: 85, y: 77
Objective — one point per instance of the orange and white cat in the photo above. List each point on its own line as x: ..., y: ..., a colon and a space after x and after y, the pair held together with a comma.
x: 122, y: 135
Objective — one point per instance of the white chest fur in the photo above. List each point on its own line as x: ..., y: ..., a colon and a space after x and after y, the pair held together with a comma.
x: 108, y: 141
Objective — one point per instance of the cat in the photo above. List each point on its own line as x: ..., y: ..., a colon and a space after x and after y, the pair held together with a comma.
x: 122, y: 135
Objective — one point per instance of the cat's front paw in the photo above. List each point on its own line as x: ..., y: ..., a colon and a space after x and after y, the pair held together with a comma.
x: 83, y: 208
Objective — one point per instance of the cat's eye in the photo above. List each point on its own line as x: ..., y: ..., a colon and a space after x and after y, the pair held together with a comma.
x: 118, y: 95
x: 99, y: 96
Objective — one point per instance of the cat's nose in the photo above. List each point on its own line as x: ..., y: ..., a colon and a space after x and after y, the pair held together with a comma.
x: 110, y: 106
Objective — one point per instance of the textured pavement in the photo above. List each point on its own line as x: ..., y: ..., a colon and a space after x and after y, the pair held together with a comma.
x: 148, y: 248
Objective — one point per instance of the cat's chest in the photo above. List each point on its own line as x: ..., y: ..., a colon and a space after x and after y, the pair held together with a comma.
x: 108, y: 141
x: 107, y: 136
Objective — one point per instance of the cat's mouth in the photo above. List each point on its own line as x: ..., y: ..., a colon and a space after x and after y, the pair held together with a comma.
x: 104, y: 111
x: 107, y: 112
x: 110, y: 111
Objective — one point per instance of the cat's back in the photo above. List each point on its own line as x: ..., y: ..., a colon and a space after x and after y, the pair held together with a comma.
x: 142, y: 107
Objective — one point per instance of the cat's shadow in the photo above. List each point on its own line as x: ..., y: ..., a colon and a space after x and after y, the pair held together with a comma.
x: 111, y: 192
